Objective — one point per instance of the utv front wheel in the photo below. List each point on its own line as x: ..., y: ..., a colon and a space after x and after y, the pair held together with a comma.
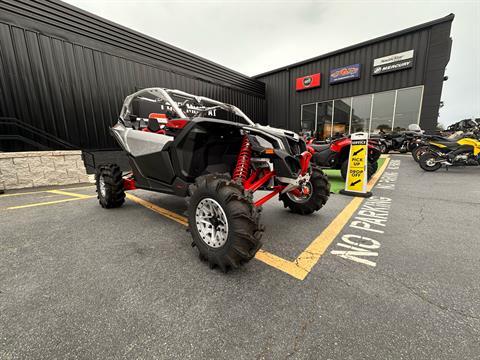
x: 110, y: 191
x: 315, y: 197
x: 223, y: 222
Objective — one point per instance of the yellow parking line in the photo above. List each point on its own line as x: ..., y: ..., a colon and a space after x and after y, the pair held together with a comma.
x: 79, y: 187
x: 66, y: 193
x: 261, y: 255
x: 22, y: 193
x: 310, y: 256
x: 167, y: 213
x: 287, y: 266
x: 304, y: 263
x: 49, y: 202
x: 43, y: 191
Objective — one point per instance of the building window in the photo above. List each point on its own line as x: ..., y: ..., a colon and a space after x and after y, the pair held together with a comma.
x: 407, y: 109
x: 382, y: 112
x: 308, y: 118
x: 342, y: 109
x: 361, y: 108
x: 324, y: 119
x: 386, y: 111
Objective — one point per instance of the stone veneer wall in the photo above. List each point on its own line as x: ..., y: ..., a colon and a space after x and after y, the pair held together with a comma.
x: 41, y: 168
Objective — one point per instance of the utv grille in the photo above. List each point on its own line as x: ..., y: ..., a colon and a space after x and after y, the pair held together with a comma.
x: 296, y: 147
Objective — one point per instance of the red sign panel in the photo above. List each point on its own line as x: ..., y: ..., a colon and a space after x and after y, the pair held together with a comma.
x: 307, y: 82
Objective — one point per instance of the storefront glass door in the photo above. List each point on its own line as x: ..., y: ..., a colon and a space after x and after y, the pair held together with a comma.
x: 324, y: 119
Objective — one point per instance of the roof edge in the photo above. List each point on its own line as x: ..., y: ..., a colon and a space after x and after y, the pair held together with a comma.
x: 447, y: 18
x: 145, y: 36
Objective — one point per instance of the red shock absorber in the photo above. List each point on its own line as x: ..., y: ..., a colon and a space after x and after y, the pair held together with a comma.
x: 243, y: 161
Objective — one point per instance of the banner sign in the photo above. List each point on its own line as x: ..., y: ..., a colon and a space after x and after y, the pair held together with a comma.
x: 400, y: 61
x: 345, y: 73
x: 307, y: 82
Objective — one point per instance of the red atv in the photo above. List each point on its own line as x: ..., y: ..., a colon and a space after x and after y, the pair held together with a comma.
x: 334, y: 155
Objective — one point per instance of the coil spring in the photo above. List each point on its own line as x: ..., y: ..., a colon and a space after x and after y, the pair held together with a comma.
x: 243, y: 161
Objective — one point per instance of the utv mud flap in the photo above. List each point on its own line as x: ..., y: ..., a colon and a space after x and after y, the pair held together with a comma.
x: 93, y: 159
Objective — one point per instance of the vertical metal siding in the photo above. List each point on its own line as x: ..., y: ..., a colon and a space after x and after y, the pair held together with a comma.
x: 73, y: 91
x: 70, y: 23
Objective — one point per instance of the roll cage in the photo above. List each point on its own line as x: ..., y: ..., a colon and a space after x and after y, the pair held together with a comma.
x: 180, y: 103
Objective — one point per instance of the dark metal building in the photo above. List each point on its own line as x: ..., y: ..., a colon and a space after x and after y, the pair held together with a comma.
x: 383, y: 84
x: 64, y: 74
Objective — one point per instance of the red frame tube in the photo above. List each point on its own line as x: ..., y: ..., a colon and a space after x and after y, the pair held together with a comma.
x: 257, y: 184
x: 305, y: 161
x: 253, y: 186
x: 129, y: 183
x: 267, y: 197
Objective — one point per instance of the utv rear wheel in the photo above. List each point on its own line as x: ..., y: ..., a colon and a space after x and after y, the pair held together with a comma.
x: 224, y: 223
x: 318, y: 194
x: 428, y: 162
x: 371, y: 169
x: 110, y: 191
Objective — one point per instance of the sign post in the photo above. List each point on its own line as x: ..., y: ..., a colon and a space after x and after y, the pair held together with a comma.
x: 357, y: 176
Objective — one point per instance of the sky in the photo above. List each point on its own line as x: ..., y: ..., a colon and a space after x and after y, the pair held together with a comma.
x: 256, y: 36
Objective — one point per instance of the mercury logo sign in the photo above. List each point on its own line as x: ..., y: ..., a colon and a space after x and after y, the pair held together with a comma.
x: 307, y: 81
x: 400, y: 61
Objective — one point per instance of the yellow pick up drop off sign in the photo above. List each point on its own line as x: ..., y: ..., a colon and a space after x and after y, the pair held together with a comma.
x: 357, y: 177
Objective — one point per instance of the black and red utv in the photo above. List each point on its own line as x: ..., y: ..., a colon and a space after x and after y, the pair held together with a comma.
x: 334, y: 155
x: 211, y: 152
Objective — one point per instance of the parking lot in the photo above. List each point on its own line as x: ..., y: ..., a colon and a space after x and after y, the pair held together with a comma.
x: 395, y: 276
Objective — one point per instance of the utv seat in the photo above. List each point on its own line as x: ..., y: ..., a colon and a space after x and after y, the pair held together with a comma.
x: 153, y: 127
x: 153, y: 124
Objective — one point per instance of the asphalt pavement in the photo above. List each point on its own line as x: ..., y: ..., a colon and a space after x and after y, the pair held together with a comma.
x: 399, y: 281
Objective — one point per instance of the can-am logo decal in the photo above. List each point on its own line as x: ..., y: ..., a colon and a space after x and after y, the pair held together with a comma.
x: 345, y: 73
x: 190, y: 109
x: 400, y: 61
x: 307, y: 82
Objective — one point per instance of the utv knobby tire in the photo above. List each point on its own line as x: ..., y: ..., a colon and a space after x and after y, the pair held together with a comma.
x: 114, y: 194
x: 243, y: 218
x: 371, y: 169
x: 425, y: 158
x: 320, y: 192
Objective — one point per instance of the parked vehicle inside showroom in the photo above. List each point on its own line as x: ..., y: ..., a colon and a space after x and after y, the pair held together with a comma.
x: 211, y: 152
x: 334, y: 155
x: 401, y: 141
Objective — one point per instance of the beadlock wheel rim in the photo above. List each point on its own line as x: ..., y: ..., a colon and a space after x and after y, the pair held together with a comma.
x: 301, y: 199
x: 101, y: 185
x: 211, y: 222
